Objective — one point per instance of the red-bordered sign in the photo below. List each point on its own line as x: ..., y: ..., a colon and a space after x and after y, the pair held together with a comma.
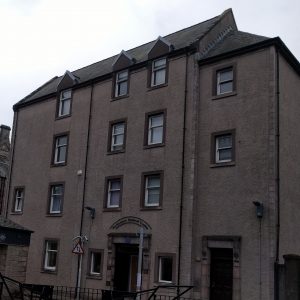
x: 78, y: 248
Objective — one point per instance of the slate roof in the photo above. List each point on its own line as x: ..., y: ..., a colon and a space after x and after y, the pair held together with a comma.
x: 179, y: 40
x: 233, y: 41
x: 6, y: 223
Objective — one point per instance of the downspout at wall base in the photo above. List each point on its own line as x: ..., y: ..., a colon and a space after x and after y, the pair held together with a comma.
x: 84, y: 180
x: 182, y: 173
x: 11, y: 161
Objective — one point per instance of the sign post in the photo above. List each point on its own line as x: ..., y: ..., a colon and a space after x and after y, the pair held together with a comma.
x: 78, y: 249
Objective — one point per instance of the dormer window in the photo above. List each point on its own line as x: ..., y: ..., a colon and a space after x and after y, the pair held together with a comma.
x: 65, y: 98
x: 121, y: 85
x: 158, y: 74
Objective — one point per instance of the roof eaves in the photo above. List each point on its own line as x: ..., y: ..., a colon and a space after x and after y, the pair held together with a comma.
x: 263, y: 44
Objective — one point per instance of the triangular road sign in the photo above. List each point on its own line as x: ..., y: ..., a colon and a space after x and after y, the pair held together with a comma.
x: 78, y: 249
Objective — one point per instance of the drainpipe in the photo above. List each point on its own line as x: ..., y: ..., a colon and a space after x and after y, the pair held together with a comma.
x: 11, y: 160
x: 277, y: 177
x: 84, y: 188
x: 182, y: 173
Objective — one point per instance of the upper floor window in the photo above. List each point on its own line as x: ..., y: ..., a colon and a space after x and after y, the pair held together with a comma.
x: 18, y: 200
x: 64, y: 108
x: 223, y: 146
x: 152, y: 189
x: 155, y: 128
x: 113, y: 192
x: 56, y: 198
x: 159, y: 72
x: 50, y: 255
x: 117, y: 136
x: 121, y: 84
x: 60, y: 149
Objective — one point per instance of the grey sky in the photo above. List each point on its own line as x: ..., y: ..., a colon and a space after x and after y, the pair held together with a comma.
x: 42, y: 38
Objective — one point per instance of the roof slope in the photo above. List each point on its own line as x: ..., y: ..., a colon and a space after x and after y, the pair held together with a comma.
x: 233, y: 41
x: 179, y: 40
x: 6, y: 223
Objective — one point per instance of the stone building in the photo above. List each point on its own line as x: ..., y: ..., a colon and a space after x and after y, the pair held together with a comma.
x: 191, y: 138
x: 4, y: 160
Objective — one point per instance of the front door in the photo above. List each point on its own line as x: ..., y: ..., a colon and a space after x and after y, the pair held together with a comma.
x: 126, y: 258
x: 221, y: 273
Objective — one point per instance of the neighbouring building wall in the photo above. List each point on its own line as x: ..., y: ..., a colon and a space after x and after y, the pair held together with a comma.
x: 4, y: 161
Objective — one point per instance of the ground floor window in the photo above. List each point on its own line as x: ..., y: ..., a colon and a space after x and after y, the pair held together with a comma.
x: 51, y: 254
x: 165, y: 267
x: 95, y: 262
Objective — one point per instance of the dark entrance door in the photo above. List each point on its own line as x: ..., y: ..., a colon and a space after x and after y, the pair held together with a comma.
x: 125, y: 267
x: 221, y: 273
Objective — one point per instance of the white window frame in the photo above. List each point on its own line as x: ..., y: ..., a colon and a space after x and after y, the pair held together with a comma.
x: 19, y: 200
x: 152, y: 127
x: 52, y: 194
x: 92, y: 254
x: 110, y: 191
x: 220, y: 82
x: 147, y: 188
x: 46, y: 258
x: 160, y: 269
x: 58, y: 147
x: 155, y: 69
x: 119, y: 81
x: 114, y: 145
x: 62, y: 102
x: 217, y: 150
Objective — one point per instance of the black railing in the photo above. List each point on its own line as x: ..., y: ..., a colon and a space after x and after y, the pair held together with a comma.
x: 11, y: 289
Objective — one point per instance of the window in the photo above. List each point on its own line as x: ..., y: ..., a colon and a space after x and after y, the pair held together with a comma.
x: 158, y: 73
x: 64, y: 108
x: 113, y: 192
x: 50, y: 257
x: 56, y: 198
x: 165, y: 267
x: 121, y: 84
x: 152, y: 190
x: 225, y: 81
x: 223, y: 147
x: 155, y: 129
x: 95, y: 262
x: 117, y: 136
x: 60, y: 149
x: 18, y: 200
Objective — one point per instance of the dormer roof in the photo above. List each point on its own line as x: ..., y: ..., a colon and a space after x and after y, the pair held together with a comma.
x: 122, y: 61
x: 67, y: 81
x: 161, y: 47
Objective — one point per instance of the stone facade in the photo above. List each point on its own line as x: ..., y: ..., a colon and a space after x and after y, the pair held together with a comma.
x: 204, y: 219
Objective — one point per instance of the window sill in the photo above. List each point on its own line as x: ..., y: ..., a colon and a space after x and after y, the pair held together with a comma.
x: 225, y: 95
x: 150, y: 88
x: 49, y: 272
x: 58, y: 165
x: 145, y: 208
x: 54, y: 215
x: 156, y: 283
x: 119, y: 97
x: 62, y: 117
x: 154, y: 146
x: 95, y: 277
x: 111, y: 209
x: 225, y: 164
x: 16, y: 213
x: 115, y: 152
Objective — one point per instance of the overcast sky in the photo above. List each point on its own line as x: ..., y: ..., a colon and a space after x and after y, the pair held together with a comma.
x: 42, y: 38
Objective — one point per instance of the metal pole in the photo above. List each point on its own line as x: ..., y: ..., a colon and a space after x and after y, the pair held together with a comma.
x: 139, y: 273
x: 79, y: 278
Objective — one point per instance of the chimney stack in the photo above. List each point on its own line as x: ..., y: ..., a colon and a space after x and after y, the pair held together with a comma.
x: 4, y: 135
